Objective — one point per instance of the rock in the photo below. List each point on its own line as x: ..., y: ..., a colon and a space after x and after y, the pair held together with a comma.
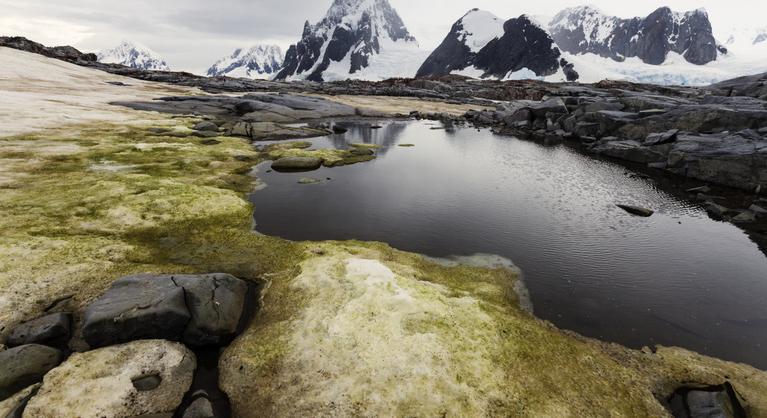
x: 205, y: 134
x: 745, y: 216
x: 701, y: 189
x: 712, y: 402
x: 100, y: 383
x: 308, y: 180
x: 200, y: 309
x: 297, y: 164
x: 14, y: 406
x: 631, y: 151
x: 555, y: 105
x: 25, y: 365
x: 716, y: 210
x: 339, y: 129
x: 661, y: 138
x: 52, y: 330
x: 520, y: 115
x: 210, y: 142
x: 646, y: 113
x: 216, y: 303
x: 146, y: 383
x: 199, y: 408
x: 636, y: 210
x: 758, y: 210
x: 207, y: 126
x: 134, y: 308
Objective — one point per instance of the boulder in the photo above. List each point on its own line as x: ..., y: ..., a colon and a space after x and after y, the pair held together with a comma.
x: 100, y: 383
x: 216, y: 302
x: 135, y: 308
x: 52, y: 330
x: 206, y: 126
x: 24, y: 366
x: 555, y: 105
x: 13, y: 407
x: 198, y: 309
x: 297, y: 164
x: 630, y: 151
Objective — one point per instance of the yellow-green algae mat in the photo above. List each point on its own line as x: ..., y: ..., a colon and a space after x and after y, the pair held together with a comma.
x: 346, y: 329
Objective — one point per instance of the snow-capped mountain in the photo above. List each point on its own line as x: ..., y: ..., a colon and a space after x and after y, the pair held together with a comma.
x: 133, y: 55
x: 584, y: 29
x: 258, y: 62
x: 482, y: 45
x: 362, y: 39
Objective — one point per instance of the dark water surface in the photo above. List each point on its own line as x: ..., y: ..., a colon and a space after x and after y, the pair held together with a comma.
x: 677, y: 278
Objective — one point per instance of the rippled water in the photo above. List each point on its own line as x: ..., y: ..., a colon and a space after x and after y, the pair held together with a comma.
x: 677, y: 278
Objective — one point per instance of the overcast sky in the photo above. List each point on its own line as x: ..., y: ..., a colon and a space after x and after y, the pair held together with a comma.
x: 192, y: 34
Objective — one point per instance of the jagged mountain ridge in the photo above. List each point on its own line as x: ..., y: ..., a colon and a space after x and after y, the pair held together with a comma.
x: 482, y: 44
x: 257, y: 62
x: 584, y: 29
x: 131, y: 54
x: 352, y: 33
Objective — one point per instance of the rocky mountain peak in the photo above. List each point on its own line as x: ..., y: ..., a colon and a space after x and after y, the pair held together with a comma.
x: 350, y: 34
x: 257, y: 62
x: 134, y: 55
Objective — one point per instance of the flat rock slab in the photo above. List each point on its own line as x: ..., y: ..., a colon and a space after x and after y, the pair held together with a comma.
x: 99, y: 383
x: 198, y: 309
x: 53, y: 330
x: 25, y: 365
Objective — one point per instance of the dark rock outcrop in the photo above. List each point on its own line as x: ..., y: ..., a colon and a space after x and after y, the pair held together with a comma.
x: 523, y: 45
x: 64, y: 53
x: 586, y: 30
x: 335, y: 37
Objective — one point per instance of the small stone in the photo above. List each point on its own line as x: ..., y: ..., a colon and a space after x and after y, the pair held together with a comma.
x: 636, y: 210
x: 146, y: 383
x: 25, y: 365
x: 339, y: 129
x: 406, y: 145
x: 210, y: 141
x: 199, y: 408
x: 50, y: 330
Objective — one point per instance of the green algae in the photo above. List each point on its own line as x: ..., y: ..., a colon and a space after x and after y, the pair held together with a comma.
x: 81, y: 208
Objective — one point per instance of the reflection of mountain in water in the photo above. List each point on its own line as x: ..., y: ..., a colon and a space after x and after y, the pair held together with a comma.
x: 388, y: 135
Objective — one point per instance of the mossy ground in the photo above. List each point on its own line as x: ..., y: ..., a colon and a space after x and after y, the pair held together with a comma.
x: 346, y: 329
x: 330, y: 157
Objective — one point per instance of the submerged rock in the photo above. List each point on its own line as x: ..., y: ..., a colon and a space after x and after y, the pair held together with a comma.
x: 636, y: 210
x: 25, y: 365
x: 100, y: 383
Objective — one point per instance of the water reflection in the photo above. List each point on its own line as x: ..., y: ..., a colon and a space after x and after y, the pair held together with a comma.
x: 677, y: 278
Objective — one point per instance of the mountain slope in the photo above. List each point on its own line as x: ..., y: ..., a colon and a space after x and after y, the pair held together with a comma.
x: 133, y: 55
x: 352, y: 35
x: 258, y: 62
x: 480, y: 44
x: 584, y: 29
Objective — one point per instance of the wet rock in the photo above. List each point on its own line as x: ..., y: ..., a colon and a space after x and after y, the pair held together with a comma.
x: 717, y: 210
x: 308, y: 180
x: 100, y: 383
x: 661, y: 138
x: 297, y: 164
x: 206, y: 126
x: 745, y: 216
x: 134, y: 308
x: 25, y: 365
x: 339, y: 130
x: 52, y: 330
x: 636, y: 210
